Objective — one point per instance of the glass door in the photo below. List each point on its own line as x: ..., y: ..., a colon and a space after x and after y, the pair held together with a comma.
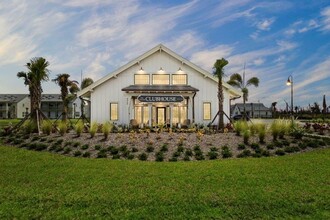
x: 161, y: 115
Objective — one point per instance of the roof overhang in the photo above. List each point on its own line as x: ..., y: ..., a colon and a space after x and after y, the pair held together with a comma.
x: 160, y: 89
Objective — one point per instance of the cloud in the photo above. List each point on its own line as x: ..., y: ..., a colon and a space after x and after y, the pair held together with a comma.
x: 265, y: 24
x: 206, y: 58
x: 325, y: 13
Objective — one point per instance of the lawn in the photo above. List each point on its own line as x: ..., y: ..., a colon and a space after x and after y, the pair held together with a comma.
x: 37, y: 185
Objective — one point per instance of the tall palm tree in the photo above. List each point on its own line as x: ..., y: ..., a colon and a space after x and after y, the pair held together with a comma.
x: 238, y: 81
x: 219, y: 73
x: 37, y: 72
x: 84, y: 83
x: 67, y: 86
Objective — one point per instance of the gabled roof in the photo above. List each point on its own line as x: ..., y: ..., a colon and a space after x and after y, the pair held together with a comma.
x: 159, y: 47
x: 13, y: 98
x: 254, y: 106
x: 159, y: 88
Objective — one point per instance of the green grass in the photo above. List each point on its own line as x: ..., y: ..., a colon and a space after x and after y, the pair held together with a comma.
x: 37, y: 185
x: 6, y: 122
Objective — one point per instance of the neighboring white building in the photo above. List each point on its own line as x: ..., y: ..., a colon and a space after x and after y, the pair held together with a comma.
x: 253, y: 110
x: 158, y: 87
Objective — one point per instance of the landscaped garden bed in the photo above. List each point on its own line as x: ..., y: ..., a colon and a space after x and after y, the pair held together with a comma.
x: 166, y: 145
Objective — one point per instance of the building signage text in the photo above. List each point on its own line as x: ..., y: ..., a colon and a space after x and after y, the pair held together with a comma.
x: 149, y: 98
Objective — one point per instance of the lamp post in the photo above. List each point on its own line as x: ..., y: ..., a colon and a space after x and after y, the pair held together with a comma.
x: 289, y: 82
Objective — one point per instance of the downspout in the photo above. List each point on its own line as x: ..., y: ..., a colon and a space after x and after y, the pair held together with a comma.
x: 193, y: 108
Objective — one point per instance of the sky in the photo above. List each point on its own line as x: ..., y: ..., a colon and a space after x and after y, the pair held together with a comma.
x: 92, y: 38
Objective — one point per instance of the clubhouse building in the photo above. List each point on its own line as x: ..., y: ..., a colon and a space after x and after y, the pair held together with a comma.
x: 158, y: 87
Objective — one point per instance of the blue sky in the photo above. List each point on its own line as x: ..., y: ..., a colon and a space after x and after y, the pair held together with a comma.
x: 274, y: 38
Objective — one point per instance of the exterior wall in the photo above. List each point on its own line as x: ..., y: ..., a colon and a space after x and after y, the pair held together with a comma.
x: 111, y: 90
x: 22, y: 107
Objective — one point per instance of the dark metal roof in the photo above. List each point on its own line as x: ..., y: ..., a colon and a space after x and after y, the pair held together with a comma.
x: 12, y: 98
x: 159, y: 88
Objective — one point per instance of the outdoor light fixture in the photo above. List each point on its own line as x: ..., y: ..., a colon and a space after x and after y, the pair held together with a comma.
x: 289, y: 82
x: 180, y: 71
x: 161, y: 70
x: 141, y: 70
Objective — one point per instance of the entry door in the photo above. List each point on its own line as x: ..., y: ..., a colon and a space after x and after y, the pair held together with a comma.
x: 161, y: 115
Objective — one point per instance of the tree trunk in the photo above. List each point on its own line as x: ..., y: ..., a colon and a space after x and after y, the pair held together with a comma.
x: 220, y: 98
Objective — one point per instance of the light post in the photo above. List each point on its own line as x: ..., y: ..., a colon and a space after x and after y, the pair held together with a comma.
x: 289, y: 82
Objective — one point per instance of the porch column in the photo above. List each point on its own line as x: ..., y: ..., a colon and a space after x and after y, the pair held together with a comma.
x: 150, y: 114
x: 171, y: 113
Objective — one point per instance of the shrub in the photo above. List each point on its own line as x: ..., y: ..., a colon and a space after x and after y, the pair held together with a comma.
x: 180, y: 149
x: 77, y: 153
x: 62, y: 127
x: 164, y: 148
x: 176, y: 154
x: 280, y: 152
x: 270, y: 146
x: 150, y: 149
x: 46, y: 127
x: 130, y: 157
x: 226, y: 153
x: 186, y: 158
x: 197, y: 148
x: 241, y: 146
x: 297, y: 133
x: 245, y: 153
x: 213, y: 155
x: 266, y: 153
x: 246, y: 136
x: 114, y: 150
x: 67, y: 150
x: 35, y: 138
x: 302, y: 145
x: 86, y: 154
x: 84, y: 147
x: 106, y: 130
x: 116, y: 156
x: 134, y: 149
x: 261, y: 130
x: 76, y: 144
x: 101, y: 154
x: 255, y: 146
x: 79, y: 127
x: 188, y: 152
x: 199, y: 155
x: 97, y: 147
x: 173, y: 159
x: 40, y: 146
x: 143, y: 156
x: 123, y: 148
x: 240, y: 126
x: 43, y: 139
x: 29, y: 127
x: 285, y: 143
x: 93, y: 129
x: 68, y: 143
x: 159, y: 156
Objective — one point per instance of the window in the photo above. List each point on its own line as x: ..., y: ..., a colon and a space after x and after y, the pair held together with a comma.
x: 160, y: 79
x: 207, y: 111
x: 113, y: 111
x: 179, y: 79
x: 141, y: 79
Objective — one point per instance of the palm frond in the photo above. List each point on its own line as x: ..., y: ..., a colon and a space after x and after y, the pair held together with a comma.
x: 236, y: 77
x: 86, y: 82
x: 218, y: 68
x: 253, y: 81
x: 234, y: 83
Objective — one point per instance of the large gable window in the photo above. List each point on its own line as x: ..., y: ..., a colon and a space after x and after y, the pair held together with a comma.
x: 141, y: 79
x: 179, y: 79
x: 160, y: 79
x: 113, y: 111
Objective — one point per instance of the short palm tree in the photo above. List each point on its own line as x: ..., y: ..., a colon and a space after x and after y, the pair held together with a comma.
x: 238, y: 81
x: 37, y: 72
x: 219, y: 73
x: 67, y: 86
x: 84, y: 83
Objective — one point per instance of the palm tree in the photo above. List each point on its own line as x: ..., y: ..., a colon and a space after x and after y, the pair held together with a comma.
x: 84, y: 83
x: 238, y: 81
x: 67, y: 86
x: 37, y: 72
x: 219, y: 73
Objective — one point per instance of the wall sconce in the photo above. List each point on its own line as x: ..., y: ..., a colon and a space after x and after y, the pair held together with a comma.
x: 140, y: 71
x: 180, y: 71
x: 160, y: 71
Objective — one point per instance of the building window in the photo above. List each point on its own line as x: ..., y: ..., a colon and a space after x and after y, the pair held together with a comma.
x: 141, y: 79
x: 207, y: 111
x: 160, y: 79
x: 142, y: 114
x: 113, y: 111
x: 179, y: 79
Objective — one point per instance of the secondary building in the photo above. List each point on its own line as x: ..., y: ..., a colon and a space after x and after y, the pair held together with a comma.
x: 253, y: 110
x: 158, y: 87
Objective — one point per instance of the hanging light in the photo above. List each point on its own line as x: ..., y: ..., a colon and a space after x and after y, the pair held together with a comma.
x: 160, y: 71
x: 180, y: 71
x: 140, y: 71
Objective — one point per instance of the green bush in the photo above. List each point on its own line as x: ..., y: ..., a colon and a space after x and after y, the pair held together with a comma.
x: 241, y: 147
x: 261, y: 130
x: 77, y: 153
x: 134, y: 149
x: 97, y: 147
x: 40, y: 146
x: 280, y: 152
x: 213, y: 155
x: 62, y: 127
x: 164, y: 148
x: 180, y: 149
x: 173, y: 159
x: 106, y: 130
x: 68, y: 143
x: 199, y: 155
x: 67, y: 150
x: 130, y: 157
x: 114, y: 150
x: 297, y: 133
x: 255, y: 146
x: 84, y: 147
x: 79, y: 127
x: 188, y: 153
x: 46, y: 127
x: 150, y: 148
x: 159, y: 156
x: 93, y: 129
x: 240, y: 126
x: 270, y: 146
x: 29, y: 127
x: 123, y: 148
x: 101, y: 154
x: 186, y: 158
x: 246, y: 136
x: 226, y: 153
x: 143, y: 156
x: 116, y: 156
x: 86, y: 154
x: 76, y: 144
